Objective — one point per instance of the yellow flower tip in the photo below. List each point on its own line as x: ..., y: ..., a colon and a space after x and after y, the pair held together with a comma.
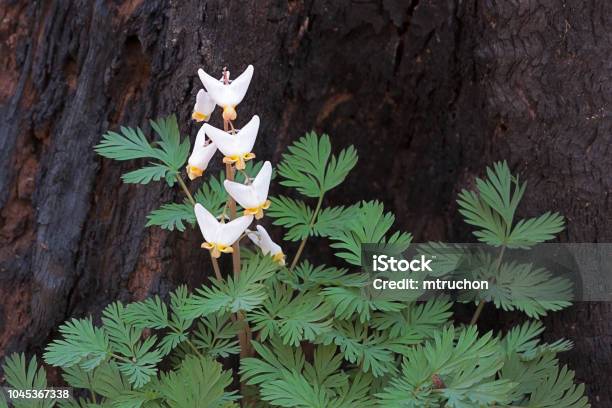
x: 229, y: 113
x: 279, y: 258
x: 216, y: 249
x: 193, y: 172
x: 239, y: 160
x: 258, y: 211
x: 199, y: 116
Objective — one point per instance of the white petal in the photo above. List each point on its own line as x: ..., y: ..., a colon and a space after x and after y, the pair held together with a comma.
x: 240, y: 143
x: 261, y: 184
x: 266, y: 243
x: 201, y: 155
x: 254, y: 237
x: 209, y: 225
x: 243, y: 194
x: 232, y: 230
x: 204, y: 103
x: 200, y: 138
x: 216, y: 89
x: 239, y: 86
x: 248, y: 134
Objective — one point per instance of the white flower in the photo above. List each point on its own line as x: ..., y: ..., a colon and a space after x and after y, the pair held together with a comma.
x: 203, y: 151
x: 262, y: 239
x: 229, y: 95
x: 203, y: 107
x: 252, y: 197
x: 235, y: 147
x: 219, y: 236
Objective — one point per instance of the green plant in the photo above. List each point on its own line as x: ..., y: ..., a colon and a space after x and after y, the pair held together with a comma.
x: 308, y: 335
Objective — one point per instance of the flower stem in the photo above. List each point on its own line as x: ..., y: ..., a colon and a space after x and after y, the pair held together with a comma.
x: 215, y: 265
x: 303, y: 243
x: 244, y: 335
x: 232, y: 207
x: 186, y: 190
x: 481, y: 304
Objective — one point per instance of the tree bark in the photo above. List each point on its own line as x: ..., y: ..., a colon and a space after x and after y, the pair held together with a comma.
x: 430, y: 92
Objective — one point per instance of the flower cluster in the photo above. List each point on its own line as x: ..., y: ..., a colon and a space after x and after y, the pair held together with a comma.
x: 236, y: 146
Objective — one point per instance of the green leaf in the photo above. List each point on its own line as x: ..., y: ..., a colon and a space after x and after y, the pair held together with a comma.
x: 310, y: 168
x: 339, y: 168
x: 175, y: 153
x: 82, y: 344
x: 306, y: 276
x: 456, y: 369
x: 150, y: 313
x: 293, y: 215
x: 348, y: 301
x: 22, y: 376
x: 270, y: 362
x: 371, y: 352
x: 559, y: 391
x: 523, y: 287
x: 172, y: 216
x: 302, y: 318
x: 529, y: 232
x: 105, y: 380
x: 370, y: 226
x: 140, y: 357
x: 145, y: 175
x: 416, y: 319
x: 234, y: 294
x: 492, y: 208
x: 334, y: 220
x: 199, y: 382
x: 143, y: 365
x: 215, y: 335
x: 130, y: 144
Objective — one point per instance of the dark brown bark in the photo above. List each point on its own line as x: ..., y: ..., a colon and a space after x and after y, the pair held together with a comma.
x: 430, y: 92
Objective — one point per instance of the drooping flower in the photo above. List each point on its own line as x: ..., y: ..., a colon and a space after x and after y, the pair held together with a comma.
x: 227, y: 96
x: 235, y: 147
x: 203, y: 151
x: 203, y: 107
x: 262, y: 239
x: 252, y: 197
x: 219, y: 237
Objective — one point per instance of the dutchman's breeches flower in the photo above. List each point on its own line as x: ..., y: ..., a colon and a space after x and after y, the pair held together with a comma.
x: 235, y: 147
x: 203, y: 151
x: 219, y: 237
x: 227, y: 94
x: 252, y: 197
x: 203, y: 107
x: 262, y: 239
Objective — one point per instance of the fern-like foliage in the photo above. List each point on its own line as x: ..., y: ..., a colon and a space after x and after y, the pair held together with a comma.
x: 320, y: 335
x: 491, y: 208
x: 370, y: 225
x: 169, y: 151
x: 311, y: 169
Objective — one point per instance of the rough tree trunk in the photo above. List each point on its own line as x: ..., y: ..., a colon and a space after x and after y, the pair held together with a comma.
x: 429, y: 92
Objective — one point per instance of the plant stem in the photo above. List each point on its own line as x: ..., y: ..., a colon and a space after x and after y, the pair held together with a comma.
x: 481, y: 304
x: 186, y: 190
x: 215, y: 265
x: 303, y: 243
x: 189, y: 343
x: 244, y: 335
x: 232, y: 207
